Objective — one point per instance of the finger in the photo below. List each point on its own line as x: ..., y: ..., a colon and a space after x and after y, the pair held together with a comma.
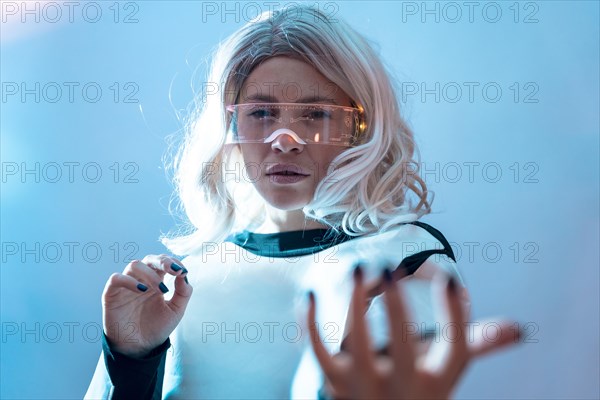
x: 323, y: 356
x: 183, y: 293
x: 147, y: 275
x: 401, y: 347
x: 439, y: 350
x: 489, y: 336
x: 358, y: 341
x: 117, y: 282
x: 458, y: 355
x: 164, y: 264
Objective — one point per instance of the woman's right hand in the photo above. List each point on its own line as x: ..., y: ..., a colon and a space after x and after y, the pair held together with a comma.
x: 136, y: 316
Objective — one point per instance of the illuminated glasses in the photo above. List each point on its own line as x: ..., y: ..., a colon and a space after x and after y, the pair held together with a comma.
x: 305, y: 123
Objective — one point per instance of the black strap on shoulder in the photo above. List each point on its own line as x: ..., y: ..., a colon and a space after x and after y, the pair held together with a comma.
x: 438, y: 235
x: 411, y: 263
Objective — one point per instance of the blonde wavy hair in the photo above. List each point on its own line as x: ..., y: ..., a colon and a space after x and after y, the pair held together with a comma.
x: 367, y: 186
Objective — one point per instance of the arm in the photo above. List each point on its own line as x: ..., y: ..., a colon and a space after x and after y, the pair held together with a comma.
x: 132, y: 363
x: 118, y: 376
x: 139, y: 378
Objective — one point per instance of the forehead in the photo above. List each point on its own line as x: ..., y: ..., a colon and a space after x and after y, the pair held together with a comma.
x: 288, y: 80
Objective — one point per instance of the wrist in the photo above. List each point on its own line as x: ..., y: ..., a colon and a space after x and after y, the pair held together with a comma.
x: 133, y: 350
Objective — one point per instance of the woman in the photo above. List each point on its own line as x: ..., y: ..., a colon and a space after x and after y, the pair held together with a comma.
x: 296, y: 178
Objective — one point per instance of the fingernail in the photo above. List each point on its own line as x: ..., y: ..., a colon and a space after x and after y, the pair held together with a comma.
x: 344, y: 345
x: 311, y: 296
x: 452, y: 285
x: 357, y: 272
x: 142, y: 287
x: 175, y: 267
x: 185, y: 271
x: 387, y: 275
x: 428, y: 334
x: 186, y: 280
x: 163, y: 288
x: 520, y: 334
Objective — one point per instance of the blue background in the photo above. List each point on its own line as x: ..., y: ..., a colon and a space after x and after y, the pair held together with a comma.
x: 550, y: 209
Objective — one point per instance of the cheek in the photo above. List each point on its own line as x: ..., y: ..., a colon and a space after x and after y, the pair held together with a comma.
x: 323, y: 159
x: 252, y: 154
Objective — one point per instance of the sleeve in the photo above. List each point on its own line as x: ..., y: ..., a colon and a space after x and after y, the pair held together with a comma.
x: 118, y: 376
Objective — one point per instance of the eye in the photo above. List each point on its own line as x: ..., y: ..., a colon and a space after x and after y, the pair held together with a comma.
x: 318, y: 114
x: 261, y: 114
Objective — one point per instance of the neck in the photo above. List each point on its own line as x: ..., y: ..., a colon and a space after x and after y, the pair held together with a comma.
x: 287, y: 221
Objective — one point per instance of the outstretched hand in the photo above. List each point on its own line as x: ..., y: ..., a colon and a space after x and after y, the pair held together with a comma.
x: 405, y: 372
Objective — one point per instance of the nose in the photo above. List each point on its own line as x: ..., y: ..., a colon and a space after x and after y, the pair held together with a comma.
x: 286, y: 143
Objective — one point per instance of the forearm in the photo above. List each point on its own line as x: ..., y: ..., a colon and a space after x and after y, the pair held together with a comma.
x: 139, y: 378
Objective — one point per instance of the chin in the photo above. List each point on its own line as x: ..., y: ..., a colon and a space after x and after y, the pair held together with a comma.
x: 287, y: 202
x: 288, y: 206
x: 286, y: 199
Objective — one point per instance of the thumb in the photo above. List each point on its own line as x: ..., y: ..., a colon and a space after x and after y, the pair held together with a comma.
x: 183, y: 293
x: 491, y: 335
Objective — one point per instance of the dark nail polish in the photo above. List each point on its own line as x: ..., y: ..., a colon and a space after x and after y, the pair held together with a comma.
x: 344, y: 345
x: 175, y: 267
x: 163, y: 288
x: 311, y: 296
x: 358, y: 272
x: 186, y: 280
x: 384, y: 351
x: 520, y: 334
x: 452, y: 285
x: 185, y: 271
x: 142, y: 287
x: 387, y: 275
x: 428, y: 334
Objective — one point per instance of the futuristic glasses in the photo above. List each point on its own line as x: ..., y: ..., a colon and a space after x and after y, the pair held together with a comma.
x: 305, y: 123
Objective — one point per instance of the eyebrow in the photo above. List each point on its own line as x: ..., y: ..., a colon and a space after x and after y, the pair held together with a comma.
x: 307, y: 99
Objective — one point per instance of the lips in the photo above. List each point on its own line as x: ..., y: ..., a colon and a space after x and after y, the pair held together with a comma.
x: 286, y: 170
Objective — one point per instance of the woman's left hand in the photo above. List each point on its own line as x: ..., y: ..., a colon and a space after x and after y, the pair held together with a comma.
x: 359, y: 372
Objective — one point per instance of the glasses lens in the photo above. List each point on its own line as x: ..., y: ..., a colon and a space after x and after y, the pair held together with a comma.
x: 313, y: 123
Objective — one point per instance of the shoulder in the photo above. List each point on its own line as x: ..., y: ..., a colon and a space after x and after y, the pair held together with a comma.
x: 420, y: 253
x: 416, y: 250
x: 423, y: 237
x: 410, y: 243
x: 427, y: 252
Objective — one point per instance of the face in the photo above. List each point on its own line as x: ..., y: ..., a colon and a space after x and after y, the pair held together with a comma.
x: 286, y: 80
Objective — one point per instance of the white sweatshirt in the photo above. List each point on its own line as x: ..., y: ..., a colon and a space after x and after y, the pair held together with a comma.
x: 244, y: 334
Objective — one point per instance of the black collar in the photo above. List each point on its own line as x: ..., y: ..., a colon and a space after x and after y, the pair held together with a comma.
x: 288, y: 244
